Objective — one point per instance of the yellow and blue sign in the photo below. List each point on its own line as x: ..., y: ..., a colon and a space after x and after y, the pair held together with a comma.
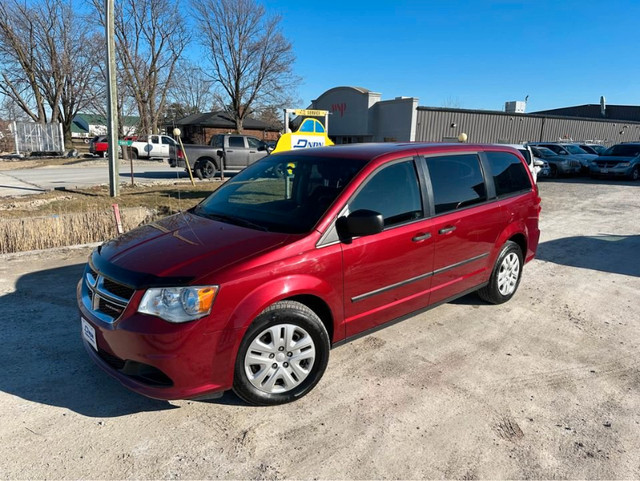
x: 310, y: 134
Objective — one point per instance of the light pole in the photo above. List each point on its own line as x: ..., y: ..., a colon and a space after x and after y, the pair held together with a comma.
x: 112, y: 99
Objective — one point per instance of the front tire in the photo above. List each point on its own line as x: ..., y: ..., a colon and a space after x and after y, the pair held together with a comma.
x: 635, y: 173
x: 506, y: 275
x: 283, y: 355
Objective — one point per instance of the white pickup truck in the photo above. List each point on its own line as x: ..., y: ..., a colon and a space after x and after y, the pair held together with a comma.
x: 153, y: 147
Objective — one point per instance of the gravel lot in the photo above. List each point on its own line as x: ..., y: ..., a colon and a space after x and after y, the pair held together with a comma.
x: 545, y: 386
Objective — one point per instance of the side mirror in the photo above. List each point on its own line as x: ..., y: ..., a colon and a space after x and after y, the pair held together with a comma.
x: 360, y: 223
x: 262, y: 148
x: 538, y: 163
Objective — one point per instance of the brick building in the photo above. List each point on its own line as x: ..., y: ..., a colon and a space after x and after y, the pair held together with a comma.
x: 199, y: 128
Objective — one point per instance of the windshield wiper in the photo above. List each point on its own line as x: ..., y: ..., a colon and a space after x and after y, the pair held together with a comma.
x: 232, y: 220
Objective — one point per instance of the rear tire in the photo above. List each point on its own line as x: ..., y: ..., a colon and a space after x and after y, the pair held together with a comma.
x: 134, y: 154
x: 205, y: 170
x: 506, y: 275
x: 283, y: 355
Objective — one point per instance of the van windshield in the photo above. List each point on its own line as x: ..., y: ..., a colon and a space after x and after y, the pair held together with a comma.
x: 281, y: 193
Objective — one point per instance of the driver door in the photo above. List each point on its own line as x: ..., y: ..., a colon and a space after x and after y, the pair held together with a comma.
x: 387, y: 275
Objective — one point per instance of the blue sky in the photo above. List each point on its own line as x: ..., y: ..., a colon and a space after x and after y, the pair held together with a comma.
x: 468, y: 54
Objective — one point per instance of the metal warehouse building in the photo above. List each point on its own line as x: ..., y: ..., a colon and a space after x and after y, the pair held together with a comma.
x: 359, y: 115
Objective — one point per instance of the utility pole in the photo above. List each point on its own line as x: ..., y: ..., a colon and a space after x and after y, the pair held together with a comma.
x: 112, y: 99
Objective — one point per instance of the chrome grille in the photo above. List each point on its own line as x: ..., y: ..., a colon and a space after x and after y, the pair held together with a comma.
x: 104, y: 297
x: 605, y: 164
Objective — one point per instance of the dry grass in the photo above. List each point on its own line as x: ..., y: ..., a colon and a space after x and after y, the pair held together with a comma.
x: 61, y: 218
x: 32, y: 233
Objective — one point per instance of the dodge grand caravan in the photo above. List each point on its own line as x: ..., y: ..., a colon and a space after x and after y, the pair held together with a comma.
x: 300, y: 252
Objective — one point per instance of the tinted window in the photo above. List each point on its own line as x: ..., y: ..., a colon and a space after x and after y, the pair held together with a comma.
x: 217, y: 141
x: 509, y: 174
x: 557, y: 149
x: 457, y: 181
x: 236, y: 142
x: 526, y: 154
x: 394, y: 192
x: 168, y: 141
x: 154, y: 139
x: 253, y: 143
x: 574, y: 149
x: 624, y: 150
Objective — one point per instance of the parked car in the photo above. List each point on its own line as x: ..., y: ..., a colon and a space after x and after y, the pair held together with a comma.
x: 302, y: 251
x: 99, y: 146
x: 232, y: 152
x: 153, y: 147
x: 621, y: 160
x: 571, y: 151
x: 559, y: 165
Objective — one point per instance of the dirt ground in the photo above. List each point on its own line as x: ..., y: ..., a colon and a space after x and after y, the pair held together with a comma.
x: 544, y: 386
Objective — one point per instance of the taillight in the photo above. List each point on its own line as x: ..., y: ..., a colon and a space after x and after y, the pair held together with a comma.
x: 180, y: 154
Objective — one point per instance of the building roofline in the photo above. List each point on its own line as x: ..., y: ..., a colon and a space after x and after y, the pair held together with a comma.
x: 532, y: 115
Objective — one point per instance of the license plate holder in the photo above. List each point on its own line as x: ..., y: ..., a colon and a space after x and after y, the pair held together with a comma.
x: 89, y: 333
x: 604, y: 171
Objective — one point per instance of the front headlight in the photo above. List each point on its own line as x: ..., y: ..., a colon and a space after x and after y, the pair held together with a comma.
x: 178, y: 304
x: 624, y: 164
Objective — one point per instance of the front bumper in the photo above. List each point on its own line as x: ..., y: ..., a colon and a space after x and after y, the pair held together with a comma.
x: 596, y: 171
x: 162, y: 360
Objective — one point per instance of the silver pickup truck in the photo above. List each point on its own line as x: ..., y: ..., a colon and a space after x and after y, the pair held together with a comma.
x: 231, y: 152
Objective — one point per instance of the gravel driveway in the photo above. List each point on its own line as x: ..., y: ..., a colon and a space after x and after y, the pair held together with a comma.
x: 544, y: 386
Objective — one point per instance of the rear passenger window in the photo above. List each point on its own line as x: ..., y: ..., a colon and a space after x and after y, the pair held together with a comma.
x: 457, y: 181
x: 394, y: 192
x: 509, y: 174
x: 236, y: 141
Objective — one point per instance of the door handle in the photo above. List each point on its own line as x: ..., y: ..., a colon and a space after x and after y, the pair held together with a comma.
x: 421, y: 237
x: 446, y: 230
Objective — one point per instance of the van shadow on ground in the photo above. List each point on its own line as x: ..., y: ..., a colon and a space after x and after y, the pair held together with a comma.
x: 617, y: 254
x: 42, y: 357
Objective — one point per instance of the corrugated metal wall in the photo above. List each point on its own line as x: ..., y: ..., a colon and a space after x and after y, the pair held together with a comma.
x: 436, y: 125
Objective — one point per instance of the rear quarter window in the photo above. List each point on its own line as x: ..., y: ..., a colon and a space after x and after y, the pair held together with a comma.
x: 508, y: 172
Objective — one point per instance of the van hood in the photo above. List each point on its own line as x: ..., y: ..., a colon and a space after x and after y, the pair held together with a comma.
x: 179, y: 249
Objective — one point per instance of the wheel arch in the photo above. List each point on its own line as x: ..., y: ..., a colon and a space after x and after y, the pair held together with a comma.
x: 521, y: 240
x: 316, y: 294
x: 201, y: 160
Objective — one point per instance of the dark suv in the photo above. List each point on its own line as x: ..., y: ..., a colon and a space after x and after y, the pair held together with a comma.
x: 621, y: 160
x: 302, y: 251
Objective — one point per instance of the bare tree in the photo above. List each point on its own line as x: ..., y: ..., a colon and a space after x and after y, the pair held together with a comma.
x: 193, y: 89
x: 150, y: 38
x: 250, y: 58
x: 47, y: 59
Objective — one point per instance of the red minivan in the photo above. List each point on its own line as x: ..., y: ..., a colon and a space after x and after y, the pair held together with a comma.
x: 300, y: 252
